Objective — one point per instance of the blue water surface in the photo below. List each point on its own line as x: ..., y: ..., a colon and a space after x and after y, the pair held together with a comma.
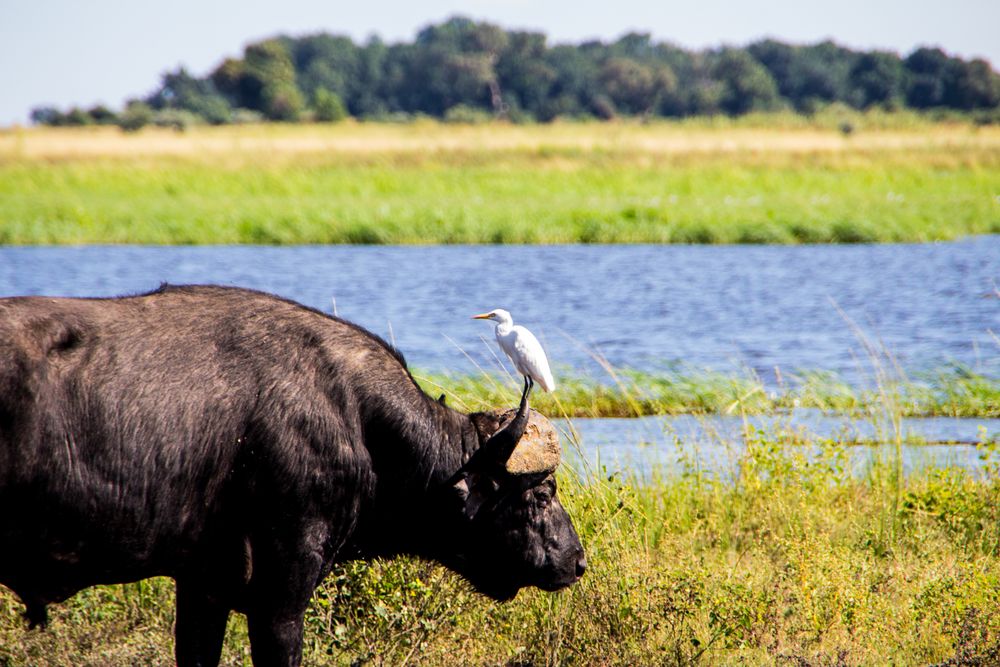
x: 649, y: 307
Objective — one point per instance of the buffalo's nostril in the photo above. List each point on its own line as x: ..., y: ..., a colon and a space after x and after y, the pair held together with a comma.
x: 581, y: 566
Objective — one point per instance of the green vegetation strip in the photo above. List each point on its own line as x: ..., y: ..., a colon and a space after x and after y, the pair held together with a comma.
x: 794, y: 562
x: 957, y: 392
x: 567, y: 193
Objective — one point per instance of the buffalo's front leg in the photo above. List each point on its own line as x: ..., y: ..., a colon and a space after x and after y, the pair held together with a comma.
x: 200, y: 627
x: 276, y: 637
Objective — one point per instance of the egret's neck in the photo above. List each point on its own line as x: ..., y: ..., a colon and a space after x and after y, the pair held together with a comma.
x: 504, y: 325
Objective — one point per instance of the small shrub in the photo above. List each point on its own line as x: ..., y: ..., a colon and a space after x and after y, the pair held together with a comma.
x: 853, y: 232
x: 136, y: 116
x: 102, y: 115
x: 246, y: 117
x: 364, y: 235
x: 466, y: 115
x: 175, y: 119
x: 328, y: 106
x: 77, y: 117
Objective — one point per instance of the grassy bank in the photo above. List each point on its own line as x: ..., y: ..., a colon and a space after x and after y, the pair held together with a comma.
x: 957, y: 392
x: 784, y: 181
x: 795, y: 562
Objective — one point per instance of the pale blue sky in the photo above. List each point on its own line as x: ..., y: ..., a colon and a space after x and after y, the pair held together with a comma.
x: 67, y: 52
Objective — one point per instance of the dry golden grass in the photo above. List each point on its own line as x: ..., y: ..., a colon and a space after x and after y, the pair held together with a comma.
x: 662, y: 139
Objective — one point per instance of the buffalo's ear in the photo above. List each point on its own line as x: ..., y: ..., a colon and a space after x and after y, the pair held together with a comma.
x: 486, y: 423
x: 472, y: 490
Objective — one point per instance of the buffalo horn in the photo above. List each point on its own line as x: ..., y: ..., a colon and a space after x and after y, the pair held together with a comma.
x: 501, y: 444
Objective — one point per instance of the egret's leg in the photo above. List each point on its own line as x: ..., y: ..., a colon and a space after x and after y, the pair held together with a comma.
x: 527, y: 389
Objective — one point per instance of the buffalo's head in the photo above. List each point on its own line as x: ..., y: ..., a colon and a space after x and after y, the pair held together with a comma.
x: 512, y: 528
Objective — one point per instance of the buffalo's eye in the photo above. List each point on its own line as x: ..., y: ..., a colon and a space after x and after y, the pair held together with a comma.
x: 544, y: 495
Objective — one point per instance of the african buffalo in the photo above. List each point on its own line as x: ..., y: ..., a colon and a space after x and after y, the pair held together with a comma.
x: 243, y: 444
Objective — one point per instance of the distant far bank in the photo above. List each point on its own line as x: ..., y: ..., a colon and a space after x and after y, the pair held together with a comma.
x: 466, y: 70
x: 760, y: 178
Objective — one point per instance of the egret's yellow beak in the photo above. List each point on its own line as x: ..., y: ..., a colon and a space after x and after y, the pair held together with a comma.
x: 484, y: 316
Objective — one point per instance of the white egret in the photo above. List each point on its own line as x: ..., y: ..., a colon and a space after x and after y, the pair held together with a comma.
x: 523, y: 349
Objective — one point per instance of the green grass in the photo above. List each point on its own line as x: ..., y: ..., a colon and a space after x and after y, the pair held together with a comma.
x: 954, y: 392
x: 427, y: 183
x: 794, y: 562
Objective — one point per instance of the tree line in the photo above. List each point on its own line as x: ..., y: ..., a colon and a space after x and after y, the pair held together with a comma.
x: 463, y: 70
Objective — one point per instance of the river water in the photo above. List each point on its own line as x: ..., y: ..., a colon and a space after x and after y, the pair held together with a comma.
x: 713, y: 444
x: 646, y: 307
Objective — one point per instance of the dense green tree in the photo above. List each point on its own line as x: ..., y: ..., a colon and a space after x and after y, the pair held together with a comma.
x: 263, y: 81
x: 878, y: 77
x: 465, y: 69
x: 937, y: 80
x: 685, y: 69
x: 633, y: 87
x: 369, y: 100
x: 398, y: 92
x: 574, y: 85
x: 779, y: 59
x: 180, y: 90
x: 930, y: 71
x: 704, y: 97
x: 229, y: 81
x: 269, y: 72
x: 328, y: 62
x: 976, y: 86
x: 453, y: 63
x: 806, y: 75
x: 746, y: 85
x: 821, y: 74
x: 46, y: 115
x: 524, y: 78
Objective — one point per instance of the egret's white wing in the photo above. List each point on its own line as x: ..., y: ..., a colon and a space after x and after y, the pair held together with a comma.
x: 529, y: 357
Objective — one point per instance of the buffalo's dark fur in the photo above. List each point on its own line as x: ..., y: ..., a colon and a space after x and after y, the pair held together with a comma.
x: 243, y: 444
